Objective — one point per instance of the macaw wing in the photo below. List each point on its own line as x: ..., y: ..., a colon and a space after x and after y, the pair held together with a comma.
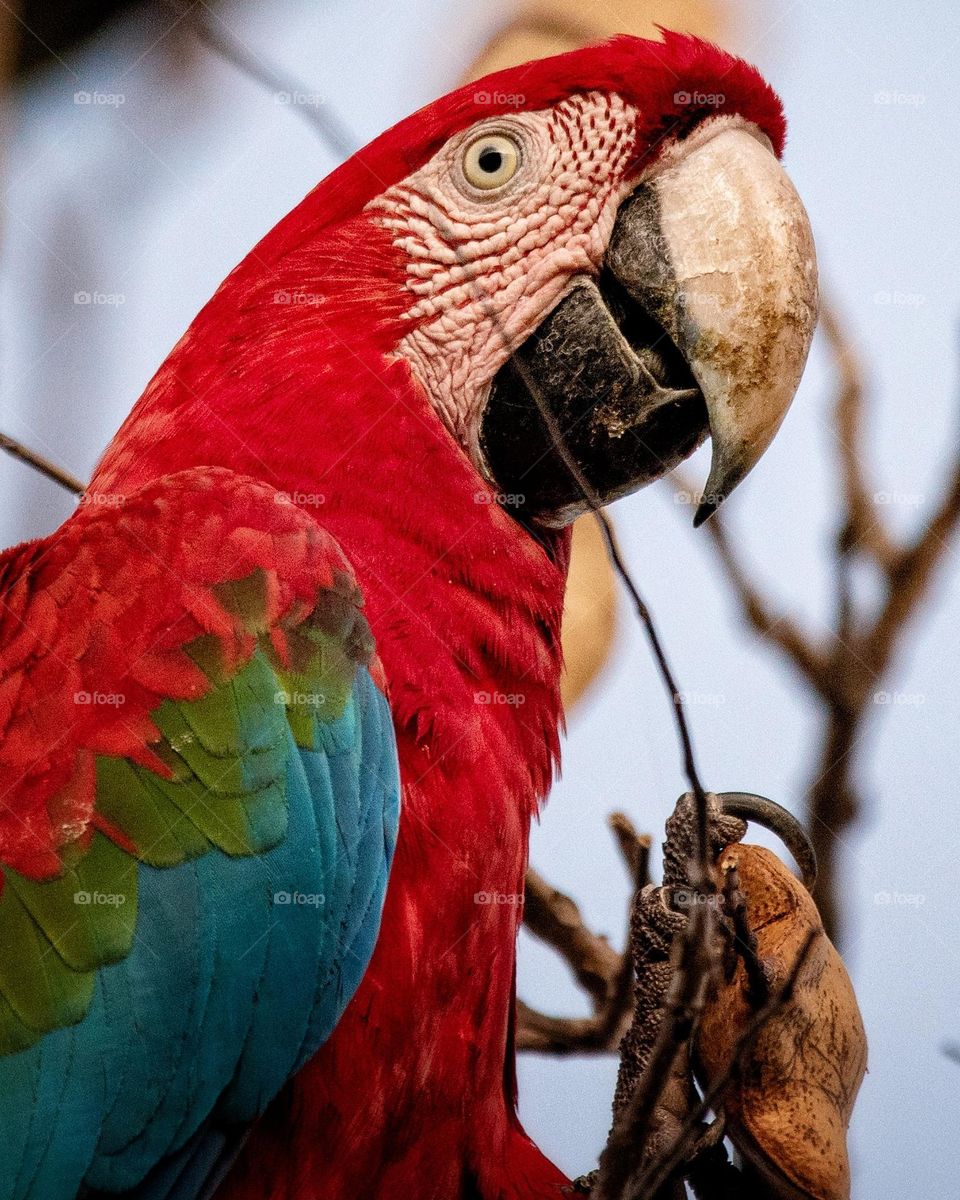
x: 198, y: 808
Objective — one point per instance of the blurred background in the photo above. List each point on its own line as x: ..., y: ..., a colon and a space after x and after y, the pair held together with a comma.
x: 138, y: 166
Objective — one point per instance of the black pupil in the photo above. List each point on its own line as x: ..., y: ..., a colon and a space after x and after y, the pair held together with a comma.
x: 490, y: 160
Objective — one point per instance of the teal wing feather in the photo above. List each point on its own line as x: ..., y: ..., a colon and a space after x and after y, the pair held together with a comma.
x: 205, y: 804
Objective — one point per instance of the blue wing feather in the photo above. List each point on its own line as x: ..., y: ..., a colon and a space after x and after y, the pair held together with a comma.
x: 240, y: 969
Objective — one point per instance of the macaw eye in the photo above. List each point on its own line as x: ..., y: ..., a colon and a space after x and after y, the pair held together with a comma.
x: 491, y: 161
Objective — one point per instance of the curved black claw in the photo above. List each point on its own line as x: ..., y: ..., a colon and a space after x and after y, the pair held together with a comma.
x: 778, y: 820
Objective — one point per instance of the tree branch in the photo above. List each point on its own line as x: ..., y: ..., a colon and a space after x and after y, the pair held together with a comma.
x: 30, y: 457
x: 845, y: 668
x: 864, y: 525
x: 603, y: 973
x: 911, y: 574
x: 779, y: 628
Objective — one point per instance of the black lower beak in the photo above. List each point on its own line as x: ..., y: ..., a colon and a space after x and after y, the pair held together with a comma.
x: 617, y: 387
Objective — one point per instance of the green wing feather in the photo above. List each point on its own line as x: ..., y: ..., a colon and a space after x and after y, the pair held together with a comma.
x: 226, y: 753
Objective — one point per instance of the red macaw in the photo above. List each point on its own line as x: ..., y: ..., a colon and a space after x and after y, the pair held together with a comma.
x: 202, y: 754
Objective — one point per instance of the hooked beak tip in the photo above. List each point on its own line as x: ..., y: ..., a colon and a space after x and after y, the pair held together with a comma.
x: 726, y: 470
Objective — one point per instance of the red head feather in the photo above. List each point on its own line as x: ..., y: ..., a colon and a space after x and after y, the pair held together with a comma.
x: 674, y: 83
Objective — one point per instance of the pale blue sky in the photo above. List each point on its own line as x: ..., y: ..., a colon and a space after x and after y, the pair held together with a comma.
x: 153, y: 199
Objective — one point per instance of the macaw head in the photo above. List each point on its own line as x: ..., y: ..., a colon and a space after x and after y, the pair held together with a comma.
x: 605, y: 238
x: 601, y: 245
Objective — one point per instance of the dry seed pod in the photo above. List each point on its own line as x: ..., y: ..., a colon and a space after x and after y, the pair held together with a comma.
x: 789, y: 1104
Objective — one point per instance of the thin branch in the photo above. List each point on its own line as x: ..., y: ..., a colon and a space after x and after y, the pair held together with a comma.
x: 597, y: 1034
x: 46, y: 468
x: 312, y: 108
x: 744, y: 938
x: 779, y: 628
x: 602, y: 972
x: 555, y: 919
x: 634, y: 848
x: 911, y: 575
x: 541, y: 1033
x: 866, y: 529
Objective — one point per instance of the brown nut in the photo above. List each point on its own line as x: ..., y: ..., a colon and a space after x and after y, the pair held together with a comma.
x: 789, y: 1103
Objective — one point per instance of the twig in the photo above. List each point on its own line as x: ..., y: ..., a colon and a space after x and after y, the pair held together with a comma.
x: 864, y: 524
x: 799, y: 647
x: 744, y: 939
x: 321, y: 117
x: 952, y: 1051
x: 46, y: 468
x: 602, y: 972
x: 634, y: 847
x: 555, y: 919
x: 911, y: 573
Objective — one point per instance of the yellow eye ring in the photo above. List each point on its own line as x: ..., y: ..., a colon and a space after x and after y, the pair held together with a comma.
x: 490, y: 161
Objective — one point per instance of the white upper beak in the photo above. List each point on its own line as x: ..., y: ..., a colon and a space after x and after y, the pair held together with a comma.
x: 742, y: 297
